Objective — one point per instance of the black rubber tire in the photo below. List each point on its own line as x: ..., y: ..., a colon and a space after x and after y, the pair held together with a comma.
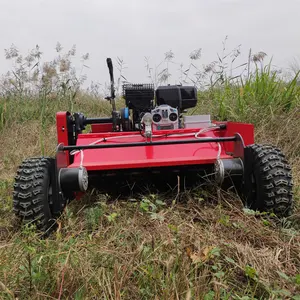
x: 269, y: 184
x: 31, y: 199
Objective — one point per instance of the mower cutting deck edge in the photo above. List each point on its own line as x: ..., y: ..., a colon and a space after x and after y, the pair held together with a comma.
x: 150, y: 140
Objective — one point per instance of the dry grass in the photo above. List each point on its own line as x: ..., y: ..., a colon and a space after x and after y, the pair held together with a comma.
x: 22, y: 141
x: 281, y: 130
x: 196, y: 249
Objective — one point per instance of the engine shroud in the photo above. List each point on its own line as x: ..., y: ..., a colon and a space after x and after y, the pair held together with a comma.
x: 139, y: 98
x: 180, y: 97
x: 142, y: 98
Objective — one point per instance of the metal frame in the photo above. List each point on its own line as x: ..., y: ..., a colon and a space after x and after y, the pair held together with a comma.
x: 125, y: 145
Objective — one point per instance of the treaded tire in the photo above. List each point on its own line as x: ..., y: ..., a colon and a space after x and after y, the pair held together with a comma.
x: 269, y: 184
x: 31, y: 197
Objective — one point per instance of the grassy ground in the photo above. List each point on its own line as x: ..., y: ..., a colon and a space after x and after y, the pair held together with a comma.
x: 205, y: 247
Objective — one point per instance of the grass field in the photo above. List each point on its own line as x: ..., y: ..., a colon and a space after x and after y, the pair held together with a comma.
x: 205, y: 247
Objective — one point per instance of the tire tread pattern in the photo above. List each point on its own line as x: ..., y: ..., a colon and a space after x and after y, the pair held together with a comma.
x: 274, y: 188
x: 30, y: 195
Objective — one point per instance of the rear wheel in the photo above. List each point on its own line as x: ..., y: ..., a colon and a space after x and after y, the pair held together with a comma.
x: 268, y: 180
x: 32, y: 196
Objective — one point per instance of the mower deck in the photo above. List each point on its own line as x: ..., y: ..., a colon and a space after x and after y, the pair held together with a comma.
x: 147, y: 155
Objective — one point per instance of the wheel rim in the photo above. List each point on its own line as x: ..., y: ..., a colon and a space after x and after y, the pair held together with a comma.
x: 50, y: 193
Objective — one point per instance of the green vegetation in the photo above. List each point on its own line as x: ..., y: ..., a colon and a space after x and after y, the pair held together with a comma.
x: 206, y: 246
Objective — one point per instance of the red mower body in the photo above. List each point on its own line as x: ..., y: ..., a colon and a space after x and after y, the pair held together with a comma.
x: 148, y: 155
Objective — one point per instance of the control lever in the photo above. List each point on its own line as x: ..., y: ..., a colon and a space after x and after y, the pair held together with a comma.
x: 115, y: 114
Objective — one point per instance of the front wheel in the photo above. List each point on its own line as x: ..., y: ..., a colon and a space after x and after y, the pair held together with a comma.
x: 32, y: 196
x: 268, y: 180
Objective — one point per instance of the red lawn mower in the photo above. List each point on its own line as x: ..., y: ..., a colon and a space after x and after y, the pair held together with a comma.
x: 150, y: 141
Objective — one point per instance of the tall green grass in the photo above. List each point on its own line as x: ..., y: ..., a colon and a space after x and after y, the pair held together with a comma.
x: 263, y: 93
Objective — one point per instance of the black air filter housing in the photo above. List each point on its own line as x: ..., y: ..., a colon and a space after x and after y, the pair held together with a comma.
x: 138, y: 96
x: 177, y: 96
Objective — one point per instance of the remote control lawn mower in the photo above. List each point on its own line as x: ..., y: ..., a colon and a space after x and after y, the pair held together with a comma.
x: 152, y: 141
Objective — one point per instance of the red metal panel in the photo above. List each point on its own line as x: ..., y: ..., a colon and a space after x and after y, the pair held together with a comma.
x: 155, y: 156
x: 106, y: 127
x: 105, y: 159
x: 62, y: 130
x: 148, y: 156
x: 245, y: 130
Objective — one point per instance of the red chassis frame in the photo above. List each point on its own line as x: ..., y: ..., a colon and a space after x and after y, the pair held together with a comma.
x: 148, y: 155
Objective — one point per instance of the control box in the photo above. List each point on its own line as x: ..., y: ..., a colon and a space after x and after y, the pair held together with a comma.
x: 165, y: 117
